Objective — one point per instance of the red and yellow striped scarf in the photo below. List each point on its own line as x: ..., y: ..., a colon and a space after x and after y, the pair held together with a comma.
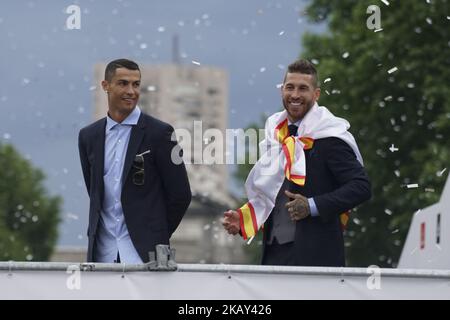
x: 248, y: 220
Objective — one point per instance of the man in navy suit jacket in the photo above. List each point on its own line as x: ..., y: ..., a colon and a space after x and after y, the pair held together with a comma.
x: 134, y: 174
x: 304, y: 227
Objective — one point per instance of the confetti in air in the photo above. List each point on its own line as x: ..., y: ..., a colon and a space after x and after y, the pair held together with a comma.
x: 327, y: 80
x: 385, y: 2
x: 392, y: 70
x: 393, y: 148
x: 412, y: 185
x: 440, y: 173
x: 195, y: 62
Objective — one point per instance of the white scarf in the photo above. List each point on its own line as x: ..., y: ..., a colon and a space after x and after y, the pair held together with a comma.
x: 283, y: 157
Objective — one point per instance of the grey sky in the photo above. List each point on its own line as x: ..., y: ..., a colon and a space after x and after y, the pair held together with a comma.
x: 46, y: 71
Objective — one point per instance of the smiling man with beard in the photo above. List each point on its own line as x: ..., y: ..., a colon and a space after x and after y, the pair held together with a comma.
x: 316, y: 178
x: 138, y: 193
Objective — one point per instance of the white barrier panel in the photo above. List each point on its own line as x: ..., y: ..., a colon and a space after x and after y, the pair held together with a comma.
x: 427, y: 245
x: 214, y: 282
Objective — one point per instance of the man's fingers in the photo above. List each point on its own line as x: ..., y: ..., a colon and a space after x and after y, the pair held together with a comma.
x: 230, y: 222
x: 290, y: 204
x: 290, y: 194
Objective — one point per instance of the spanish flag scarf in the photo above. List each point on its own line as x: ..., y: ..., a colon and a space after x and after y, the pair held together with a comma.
x: 283, y: 156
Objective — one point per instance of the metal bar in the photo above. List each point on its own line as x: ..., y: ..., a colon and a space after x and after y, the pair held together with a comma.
x: 14, y: 266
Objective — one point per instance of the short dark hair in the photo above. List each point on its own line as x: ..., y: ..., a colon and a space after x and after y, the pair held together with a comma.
x: 110, y: 70
x: 305, y: 67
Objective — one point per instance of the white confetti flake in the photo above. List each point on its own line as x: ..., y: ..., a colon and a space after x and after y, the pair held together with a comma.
x: 327, y: 80
x: 143, y: 46
x: 161, y: 29
x: 279, y: 85
x: 378, y: 30
x: 385, y: 2
x: 262, y: 69
x: 392, y: 70
x: 250, y: 241
x: 72, y: 216
x: 281, y: 33
x: 92, y: 88
x: 429, y: 21
x: 412, y: 185
x: 440, y: 173
x: 345, y: 55
x: 429, y: 190
x: 388, y: 212
x: 195, y: 62
x: 395, y: 231
x: 392, y: 148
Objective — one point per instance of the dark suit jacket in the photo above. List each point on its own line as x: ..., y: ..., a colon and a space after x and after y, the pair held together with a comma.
x: 338, y: 183
x: 152, y: 211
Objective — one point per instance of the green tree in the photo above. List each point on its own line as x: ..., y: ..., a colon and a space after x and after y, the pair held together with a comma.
x: 28, y: 216
x: 393, y: 87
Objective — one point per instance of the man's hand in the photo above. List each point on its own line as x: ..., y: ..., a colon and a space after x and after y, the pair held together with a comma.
x: 231, y: 222
x: 298, y: 207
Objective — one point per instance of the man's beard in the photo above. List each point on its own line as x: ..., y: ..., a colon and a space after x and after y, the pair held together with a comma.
x: 309, y: 105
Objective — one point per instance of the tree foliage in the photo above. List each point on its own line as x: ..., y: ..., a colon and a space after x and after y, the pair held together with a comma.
x: 28, y: 216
